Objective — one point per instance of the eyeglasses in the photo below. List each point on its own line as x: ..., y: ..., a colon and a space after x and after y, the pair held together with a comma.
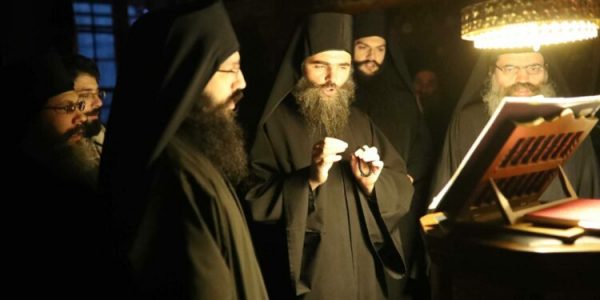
x: 510, y: 70
x: 85, y: 96
x: 69, y: 108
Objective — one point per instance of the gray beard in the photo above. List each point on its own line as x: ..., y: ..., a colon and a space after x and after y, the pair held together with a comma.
x: 324, y: 116
x: 215, y: 133
x: 494, y: 93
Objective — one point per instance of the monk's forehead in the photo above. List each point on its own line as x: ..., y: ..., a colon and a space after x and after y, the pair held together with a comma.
x: 522, y: 58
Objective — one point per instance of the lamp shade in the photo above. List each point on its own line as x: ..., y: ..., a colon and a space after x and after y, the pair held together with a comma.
x: 499, y: 24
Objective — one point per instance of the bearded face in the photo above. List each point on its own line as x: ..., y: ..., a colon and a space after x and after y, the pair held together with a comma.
x: 215, y: 133
x: 326, y: 115
x: 78, y: 161
x: 517, y: 74
x: 74, y: 160
x: 210, y: 125
x: 494, y: 92
x: 369, y: 53
x: 62, y: 140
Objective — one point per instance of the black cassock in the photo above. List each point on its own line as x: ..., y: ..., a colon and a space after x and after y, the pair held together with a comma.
x: 338, y: 242
x: 179, y: 224
x: 193, y: 241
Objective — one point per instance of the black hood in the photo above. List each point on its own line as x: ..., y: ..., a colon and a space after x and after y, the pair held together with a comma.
x: 171, y: 55
x: 320, y: 32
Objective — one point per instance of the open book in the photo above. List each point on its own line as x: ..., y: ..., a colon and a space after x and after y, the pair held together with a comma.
x: 521, y: 113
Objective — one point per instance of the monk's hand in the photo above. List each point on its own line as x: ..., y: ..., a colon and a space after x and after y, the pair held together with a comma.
x: 324, y: 154
x: 366, y: 167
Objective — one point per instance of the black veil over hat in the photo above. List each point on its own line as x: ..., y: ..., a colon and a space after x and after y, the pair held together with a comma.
x: 31, y: 83
x: 50, y: 78
x: 388, y: 97
x: 371, y: 23
x: 374, y: 23
x: 320, y: 32
x: 39, y: 79
x: 171, y: 55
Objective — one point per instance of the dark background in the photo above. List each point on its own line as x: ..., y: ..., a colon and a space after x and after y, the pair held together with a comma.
x: 429, y: 31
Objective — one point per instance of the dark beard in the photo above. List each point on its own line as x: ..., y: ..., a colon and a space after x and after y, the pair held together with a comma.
x: 494, y: 93
x: 92, y: 128
x: 71, y: 161
x: 76, y: 162
x: 328, y: 115
x: 87, y: 130
x: 215, y: 133
x: 358, y: 64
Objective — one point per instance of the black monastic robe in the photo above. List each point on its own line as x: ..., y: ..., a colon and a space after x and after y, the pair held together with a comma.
x: 388, y: 99
x: 393, y: 108
x: 193, y: 241
x: 59, y: 244
x: 339, y: 241
x: 179, y: 224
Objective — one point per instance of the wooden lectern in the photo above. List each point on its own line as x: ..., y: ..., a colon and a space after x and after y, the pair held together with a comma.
x: 479, y: 234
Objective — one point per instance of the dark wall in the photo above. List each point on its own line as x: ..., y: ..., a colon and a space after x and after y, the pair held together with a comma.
x: 430, y: 37
x: 428, y: 30
x: 35, y: 26
x: 580, y: 64
x: 264, y: 29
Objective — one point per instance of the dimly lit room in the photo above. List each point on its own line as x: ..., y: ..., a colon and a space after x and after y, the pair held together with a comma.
x: 304, y: 149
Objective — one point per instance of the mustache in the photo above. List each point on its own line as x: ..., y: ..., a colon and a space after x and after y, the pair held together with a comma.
x: 327, y: 85
x: 79, y: 129
x: 236, y: 96
x: 364, y: 62
x: 531, y: 87
x: 94, y: 113
x: 87, y: 129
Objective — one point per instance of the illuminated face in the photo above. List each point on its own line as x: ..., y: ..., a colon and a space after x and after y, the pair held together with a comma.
x: 62, y: 119
x: 328, y: 70
x: 226, y: 83
x: 86, y: 86
x: 517, y: 71
x: 369, y: 53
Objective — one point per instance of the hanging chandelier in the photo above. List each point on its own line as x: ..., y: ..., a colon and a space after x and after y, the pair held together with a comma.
x: 499, y: 24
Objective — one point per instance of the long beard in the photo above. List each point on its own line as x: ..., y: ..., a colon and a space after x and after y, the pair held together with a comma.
x: 494, y: 93
x: 76, y: 162
x: 329, y: 115
x: 71, y: 161
x: 215, y: 133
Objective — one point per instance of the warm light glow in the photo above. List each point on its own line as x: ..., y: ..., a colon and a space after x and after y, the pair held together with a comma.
x: 499, y: 24
x: 533, y: 34
x: 590, y: 224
